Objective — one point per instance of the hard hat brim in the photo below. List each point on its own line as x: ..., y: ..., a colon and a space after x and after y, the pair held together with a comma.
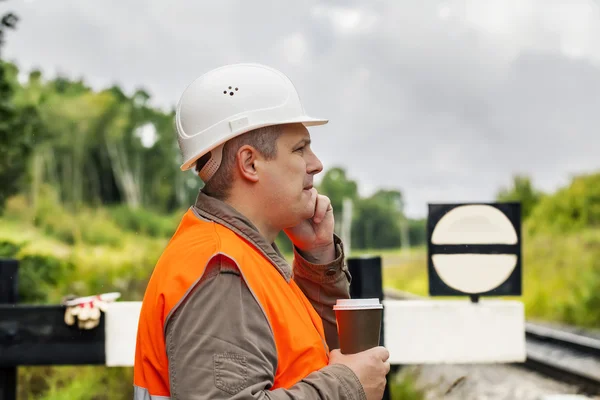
x: 305, y: 120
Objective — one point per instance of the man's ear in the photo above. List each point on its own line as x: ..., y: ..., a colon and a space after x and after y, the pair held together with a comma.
x: 246, y: 158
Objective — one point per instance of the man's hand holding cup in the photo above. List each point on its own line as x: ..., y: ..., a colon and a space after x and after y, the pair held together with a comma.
x: 359, y: 327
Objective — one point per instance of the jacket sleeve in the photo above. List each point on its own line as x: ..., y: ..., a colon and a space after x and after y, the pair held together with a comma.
x: 323, y: 285
x: 220, y: 346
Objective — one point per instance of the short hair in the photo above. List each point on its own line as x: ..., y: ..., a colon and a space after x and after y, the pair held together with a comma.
x: 264, y: 140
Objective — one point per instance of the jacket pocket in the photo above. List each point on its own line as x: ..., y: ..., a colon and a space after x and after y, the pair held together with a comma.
x: 231, y: 372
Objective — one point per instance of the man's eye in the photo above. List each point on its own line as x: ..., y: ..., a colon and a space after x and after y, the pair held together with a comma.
x: 300, y: 148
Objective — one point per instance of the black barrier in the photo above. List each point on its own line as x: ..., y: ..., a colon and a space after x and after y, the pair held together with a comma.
x: 367, y: 280
x: 367, y: 283
x: 38, y: 335
x: 8, y: 295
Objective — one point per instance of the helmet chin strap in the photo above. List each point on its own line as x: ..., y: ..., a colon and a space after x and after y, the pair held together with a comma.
x: 211, y: 167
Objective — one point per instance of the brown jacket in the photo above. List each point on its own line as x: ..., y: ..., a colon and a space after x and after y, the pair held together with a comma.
x: 221, y: 315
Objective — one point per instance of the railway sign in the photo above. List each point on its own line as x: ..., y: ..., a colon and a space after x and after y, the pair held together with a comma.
x: 474, y: 249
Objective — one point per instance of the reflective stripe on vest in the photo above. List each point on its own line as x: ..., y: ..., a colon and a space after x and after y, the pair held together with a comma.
x: 142, y: 394
x: 296, y: 326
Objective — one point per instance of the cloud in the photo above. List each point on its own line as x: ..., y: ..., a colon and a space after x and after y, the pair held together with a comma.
x: 443, y: 100
x: 294, y: 48
x: 346, y: 20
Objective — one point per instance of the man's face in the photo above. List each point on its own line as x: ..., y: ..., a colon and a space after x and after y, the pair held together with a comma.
x: 287, y: 179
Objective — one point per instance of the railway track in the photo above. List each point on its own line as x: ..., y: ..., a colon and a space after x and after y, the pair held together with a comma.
x: 563, y: 356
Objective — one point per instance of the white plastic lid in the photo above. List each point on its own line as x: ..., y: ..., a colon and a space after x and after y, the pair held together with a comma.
x: 358, y: 304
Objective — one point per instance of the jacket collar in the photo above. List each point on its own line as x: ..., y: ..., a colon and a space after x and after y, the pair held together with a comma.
x: 222, y: 213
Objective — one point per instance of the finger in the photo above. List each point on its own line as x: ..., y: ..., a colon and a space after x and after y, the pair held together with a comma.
x: 335, y: 356
x: 69, y: 317
x: 335, y: 353
x: 321, y: 208
x: 84, y: 313
x: 95, y: 313
x: 314, y: 196
x: 387, y: 367
x: 382, y: 353
x: 102, y: 305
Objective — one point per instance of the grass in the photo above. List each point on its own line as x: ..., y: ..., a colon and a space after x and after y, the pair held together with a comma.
x: 406, y: 271
x: 20, y: 232
x: 99, y: 267
x: 562, y: 277
x: 75, y: 383
x: 403, y: 386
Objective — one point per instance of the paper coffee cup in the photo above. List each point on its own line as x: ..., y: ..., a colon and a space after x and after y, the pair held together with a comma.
x: 359, y: 324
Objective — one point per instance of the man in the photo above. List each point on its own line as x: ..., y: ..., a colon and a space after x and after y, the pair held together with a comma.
x: 224, y: 315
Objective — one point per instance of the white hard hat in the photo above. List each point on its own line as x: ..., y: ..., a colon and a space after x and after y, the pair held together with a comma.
x: 229, y: 101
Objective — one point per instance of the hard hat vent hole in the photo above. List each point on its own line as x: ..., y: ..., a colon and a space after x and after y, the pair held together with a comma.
x: 230, y: 91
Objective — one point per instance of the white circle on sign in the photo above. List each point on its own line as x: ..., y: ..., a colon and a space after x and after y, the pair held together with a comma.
x: 474, y: 273
x: 474, y: 224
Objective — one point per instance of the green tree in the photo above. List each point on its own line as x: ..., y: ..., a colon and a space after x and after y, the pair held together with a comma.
x: 522, y: 191
x: 337, y: 186
x: 103, y: 147
x: 417, y: 230
x: 571, y: 208
x: 17, y: 127
x: 377, y: 221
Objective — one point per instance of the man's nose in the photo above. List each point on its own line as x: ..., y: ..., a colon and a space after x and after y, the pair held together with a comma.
x: 314, y: 165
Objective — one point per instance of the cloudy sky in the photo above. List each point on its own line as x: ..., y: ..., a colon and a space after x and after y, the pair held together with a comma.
x: 444, y: 100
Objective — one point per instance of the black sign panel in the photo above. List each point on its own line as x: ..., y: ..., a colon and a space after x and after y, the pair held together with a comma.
x: 474, y: 249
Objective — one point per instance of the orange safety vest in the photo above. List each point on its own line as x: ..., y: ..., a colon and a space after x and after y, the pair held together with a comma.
x: 296, y: 326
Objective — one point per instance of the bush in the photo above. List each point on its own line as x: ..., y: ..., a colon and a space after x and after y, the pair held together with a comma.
x: 144, y: 222
x: 50, y: 216
x: 126, y: 269
x: 91, y: 226
x: 571, y: 209
x: 96, y: 228
x: 17, y: 207
x: 75, y: 383
x: 9, y: 249
x: 128, y: 279
x: 561, y: 277
x: 59, y: 224
x: 403, y: 385
x: 583, y: 306
x: 40, y: 275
